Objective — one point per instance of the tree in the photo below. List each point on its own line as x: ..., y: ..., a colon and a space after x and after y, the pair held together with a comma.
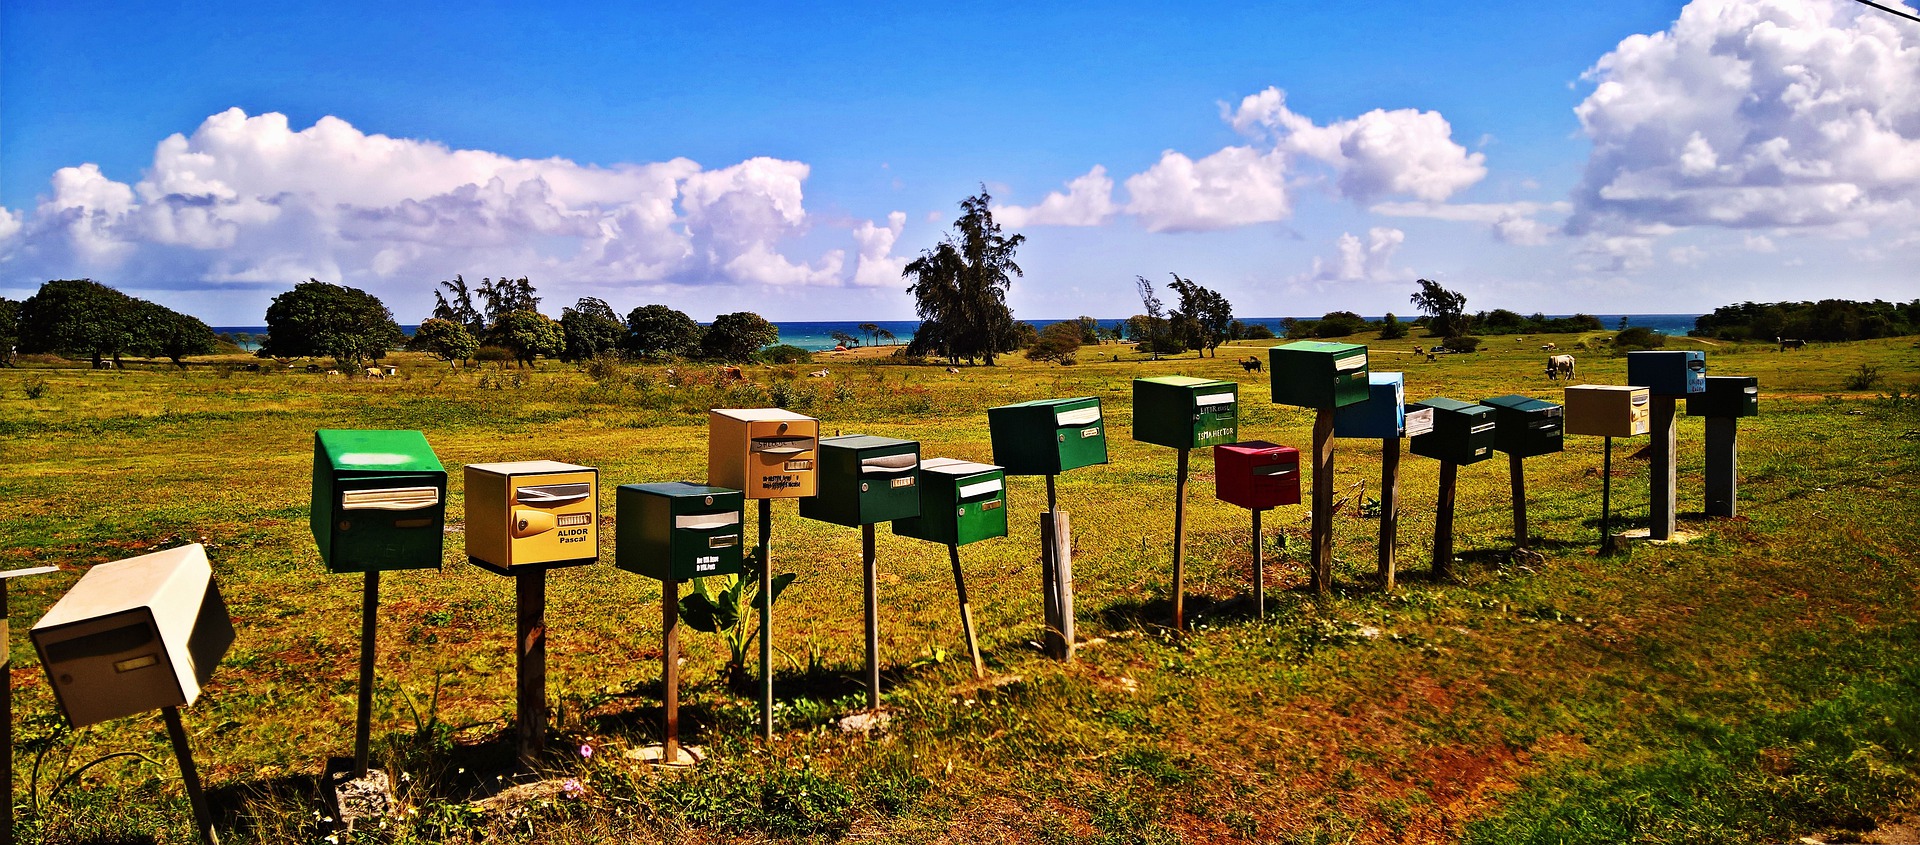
x: 9, y: 330
x: 1203, y: 315
x: 658, y: 330
x: 843, y: 338
x: 161, y: 331
x: 1057, y: 342
x: 589, y: 328
x: 320, y: 319
x: 76, y: 318
x: 1391, y: 328
x: 871, y: 330
x: 1338, y: 324
x: 1089, y: 330
x: 507, y: 296
x: 528, y: 335
x: 1149, y: 330
x: 960, y: 287
x: 736, y: 336
x: 459, y: 308
x: 885, y: 335
x: 444, y: 339
x: 1445, y: 309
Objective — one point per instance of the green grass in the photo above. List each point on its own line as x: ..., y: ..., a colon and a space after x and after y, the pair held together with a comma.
x: 1756, y: 684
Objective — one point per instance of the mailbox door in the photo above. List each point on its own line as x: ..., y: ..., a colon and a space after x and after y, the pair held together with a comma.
x: 1639, y: 413
x: 1478, y: 440
x: 1080, y: 435
x: 781, y: 459
x: 979, y: 508
x: 888, y: 484
x: 108, y: 667
x: 706, y: 540
x: 380, y: 524
x: 1276, y: 480
x: 1543, y: 434
x: 1216, y: 416
x: 1350, y: 383
x: 552, y: 518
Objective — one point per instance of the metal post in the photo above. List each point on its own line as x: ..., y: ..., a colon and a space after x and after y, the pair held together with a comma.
x: 670, y: 669
x: 1179, y: 544
x: 1662, y: 504
x: 530, y: 654
x: 1389, y: 507
x: 1443, y: 523
x: 369, y: 624
x: 1518, y: 478
x: 871, y: 568
x: 1259, y: 571
x: 202, y: 818
x: 1723, y: 466
x: 766, y: 619
x: 966, y: 612
x: 1323, y: 502
x: 1606, y: 499
x: 6, y: 720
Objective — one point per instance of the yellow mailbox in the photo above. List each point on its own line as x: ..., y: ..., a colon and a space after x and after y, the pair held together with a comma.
x: 525, y: 514
x: 767, y: 453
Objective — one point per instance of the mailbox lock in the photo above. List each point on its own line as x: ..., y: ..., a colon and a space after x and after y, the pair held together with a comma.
x: 783, y: 428
x: 863, y: 487
x: 709, y: 500
x: 346, y: 524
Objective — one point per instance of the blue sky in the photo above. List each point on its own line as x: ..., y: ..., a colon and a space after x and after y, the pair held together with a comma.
x: 1629, y: 156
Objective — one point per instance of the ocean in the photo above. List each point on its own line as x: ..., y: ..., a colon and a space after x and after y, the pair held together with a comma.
x: 818, y: 336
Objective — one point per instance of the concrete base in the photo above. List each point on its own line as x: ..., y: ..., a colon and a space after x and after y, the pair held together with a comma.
x: 655, y: 755
x: 356, y: 801
x: 867, y: 722
x: 1644, y: 535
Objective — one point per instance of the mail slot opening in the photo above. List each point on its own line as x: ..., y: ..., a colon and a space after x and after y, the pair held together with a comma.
x: 724, y: 541
x: 1275, y: 469
x: 141, y: 662
x: 700, y: 521
x: 111, y: 641
x: 552, y: 495
x: 781, y: 445
x: 983, y: 488
x: 1081, y: 416
x: 394, y: 499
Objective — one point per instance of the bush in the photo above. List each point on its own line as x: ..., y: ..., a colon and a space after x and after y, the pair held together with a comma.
x: 1392, y: 328
x: 1638, y: 337
x: 785, y: 353
x: 604, y: 366
x: 1057, y: 343
x: 493, y: 355
x: 1462, y: 343
x: 1303, y: 329
x: 1257, y: 331
x: 1866, y: 378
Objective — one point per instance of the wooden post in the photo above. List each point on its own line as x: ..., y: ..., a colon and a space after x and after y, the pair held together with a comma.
x: 1062, y: 535
x: 1322, y: 544
x: 1518, y: 479
x: 1662, y: 504
x: 1259, y: 571
x: 530, y: 652
x: 1606, y: 499
x: 1443, y: 523
x: 1049, y: 582
x: 1389, y: 507
x: 1723, y: 466
x: 966, y: 612
x: 369, y: 624
x: 670, y: 669
x: 202, y: 818
x: 1179, y: 544
x: 6, y: 700
x: 871, y: 568
x: 766, y: 619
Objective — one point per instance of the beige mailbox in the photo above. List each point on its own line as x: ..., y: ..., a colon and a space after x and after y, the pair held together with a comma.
x: 134, y: 635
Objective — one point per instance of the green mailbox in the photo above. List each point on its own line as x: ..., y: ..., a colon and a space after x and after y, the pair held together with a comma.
x: 1185, y: 413
x: 865, y: 480
x: 1526, y: 427
x: 1319, y: 374
x: 1726, y: 396
x: 677, y: 531
x: 961, y: 502
x: 1462, y: 432
x: 379, y: 500
x: 1048, y: 436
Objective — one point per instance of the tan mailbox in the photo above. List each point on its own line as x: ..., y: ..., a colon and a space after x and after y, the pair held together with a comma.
x: 134, y: 635
x: 1605, y: 410
x: 766, y: 453
x: 524, y: 514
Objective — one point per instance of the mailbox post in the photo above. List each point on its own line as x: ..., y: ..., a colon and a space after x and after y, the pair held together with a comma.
x: 6, y: 699
x: 1523, y: 428
x: 1257, y: 475
x: 523, y: 519
x: 1462, y: 434
x: 1726, y: 400
x: 379, y: 503
x: 1385, y: 417
x: 1607, y: 411
x: 1185, y: 414
x: 1048, y: 437
x: 961, y: 502
x: 136, y: 635
x: 1667, y: 376
x: 1323, y: 376
x: 864, y: 481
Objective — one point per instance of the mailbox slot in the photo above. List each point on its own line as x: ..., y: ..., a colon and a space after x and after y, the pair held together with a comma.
x: 1082, y: 416
x: 968, y: 492
x: 961, y: 502
x: 865, y: 480
x: 397, y: 499
x: 782, y: 445
x: 552, y: 495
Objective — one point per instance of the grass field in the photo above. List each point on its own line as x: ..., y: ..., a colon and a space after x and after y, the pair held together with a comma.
x: 1759, y: 683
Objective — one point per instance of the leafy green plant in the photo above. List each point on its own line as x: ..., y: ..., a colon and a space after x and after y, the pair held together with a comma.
x: 1866, y: 378
x: 35, y: 389
x: 715, y: 607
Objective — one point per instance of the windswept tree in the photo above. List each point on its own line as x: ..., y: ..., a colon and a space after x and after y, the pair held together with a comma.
x: 528, y: 335
x: 444, y: 339
x: 1445, y: 309
x: 589, y: 328
x: 159, y: 331
x: 1203, y: 315
x: 318, y: 319
x: 871, y: 331
x: 843, y: 338
x: 1149, y: 330
x: 736, y: 336
x: 960, y: 287
x: 456, y: 304
x: 656, y: 330
x: 77, y: 318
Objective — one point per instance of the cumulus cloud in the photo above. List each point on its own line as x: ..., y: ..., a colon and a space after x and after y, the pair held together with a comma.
x: 877, y: 265
x: 1515, y: 223
x: 251, y: 200
x: 1087, y: 202
x: 1233, y: 187
x: 1405, y: 151
x: 1755, y: 113
x: 1357, y: 260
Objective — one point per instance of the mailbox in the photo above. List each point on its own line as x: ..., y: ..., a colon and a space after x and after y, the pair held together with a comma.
x: 1185, y: 413
x: 1525, y: 427
x: 1607, y: 410
x: 961, y: 502
x: 379, y: 500
x: 1668, y: 373
x: 525, y: 514
x: 865, y: 480
x: 1383, y: 416
x: 1462, y: 432
x: 1048, y: 436
x: 766, y: 453
x: 1256, y: 475
x: 677, y: 531
x: 134, y: 635
x: 1726, y: 396
x: 1319, y: 374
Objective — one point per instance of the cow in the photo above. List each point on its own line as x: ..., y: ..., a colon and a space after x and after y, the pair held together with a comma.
x: 1787, y: 343
x: 1558, y: 366
x: 1251, y: 365
x: 954, y: 370
x: 1548, y: 347
x: 730, y: 373
x: 818, y: 374
x: 374, y: 372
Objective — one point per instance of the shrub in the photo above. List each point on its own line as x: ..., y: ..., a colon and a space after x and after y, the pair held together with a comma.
x: 1866, y: 378
x: 604, y: 367
x: 785, y: 353
x: 1638, y: 337
x: 1058, y: 343
x: 1303, y: 329
x: 1463, y: 343
x: 1257, y: 331
x: 493, y: 355
x: 1392, y: 328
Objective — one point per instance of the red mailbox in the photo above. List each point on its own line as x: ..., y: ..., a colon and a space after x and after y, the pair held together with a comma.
x: 1256, y: 474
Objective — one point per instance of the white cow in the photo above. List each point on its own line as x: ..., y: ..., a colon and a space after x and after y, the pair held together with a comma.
x: 1559, y: 366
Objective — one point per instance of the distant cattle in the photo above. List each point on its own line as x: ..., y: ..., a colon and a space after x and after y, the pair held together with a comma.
x: 1559, y: 366
x: 1787, y: 343
x: 730, y: 373
x: 819, y: 374
x: 374, y: 372
x: 1549, y: 346
x: 955, y: 370
x: 1251, y: 365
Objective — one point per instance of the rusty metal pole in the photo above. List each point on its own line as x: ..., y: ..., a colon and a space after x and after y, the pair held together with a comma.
x: 670, y: 669
x: 369, y: 625
x: 1179, y: 543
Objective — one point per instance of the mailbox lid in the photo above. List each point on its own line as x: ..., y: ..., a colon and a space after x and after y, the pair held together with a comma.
x: 1668, y: 372
x: 961, y: 502
x: 865, y: 480
x: 1318, y: 374
x: 1727, y: 396
x: 679, y: 530
x: 1525, y: 426
x: 1048, y: 436
x: 1463, y: 432
x: 1183, y: 412
x: 1382, y: 416
x: 350, y: 453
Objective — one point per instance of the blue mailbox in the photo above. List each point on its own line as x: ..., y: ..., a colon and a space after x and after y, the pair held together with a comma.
x: 1382, y: 416
x: 1665, y: 373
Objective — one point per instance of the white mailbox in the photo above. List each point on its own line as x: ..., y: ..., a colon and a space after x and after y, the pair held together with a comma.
x: 134, y: 635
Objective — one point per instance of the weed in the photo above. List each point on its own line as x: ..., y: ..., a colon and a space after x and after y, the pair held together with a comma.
x: 1867, y: 377
x: 35, y: 388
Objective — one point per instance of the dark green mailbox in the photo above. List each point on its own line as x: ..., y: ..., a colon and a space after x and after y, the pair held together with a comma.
x: 1526, y: 427
x: 379, y: 500
x: 677, y: 531
x: 1318, y: 374
x: 1048, y: 436
x: 1462, y: 432
x: 1185, y: 413
x: 865, y: 480
x: 1726, y: 396
x: 961, y: 502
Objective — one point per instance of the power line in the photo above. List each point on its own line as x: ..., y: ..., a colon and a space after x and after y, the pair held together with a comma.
x: 1890, y: 10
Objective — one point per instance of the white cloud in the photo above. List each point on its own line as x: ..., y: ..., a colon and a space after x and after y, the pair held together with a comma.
x: 250, y: 200
x: 1356, y: 260
x: 1615, y: 253
x: 1760, y: 243
x: 877, y: 265
x: 1756, y: 113
x: 1233, y: 187
x: 1087, y: 202
x: 1404, y: 151
x: 1515, y: 223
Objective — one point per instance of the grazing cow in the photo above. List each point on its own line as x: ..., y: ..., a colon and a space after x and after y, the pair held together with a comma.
x: 374, y: 372
x: 818, y: 374
x: 1251, y: 365
x: 1545, y: 347
x: 729, y: 372
x: 1430, y: 358
x: 954, y: 370
x: 1787, y: 343
x: 1559, y: 366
